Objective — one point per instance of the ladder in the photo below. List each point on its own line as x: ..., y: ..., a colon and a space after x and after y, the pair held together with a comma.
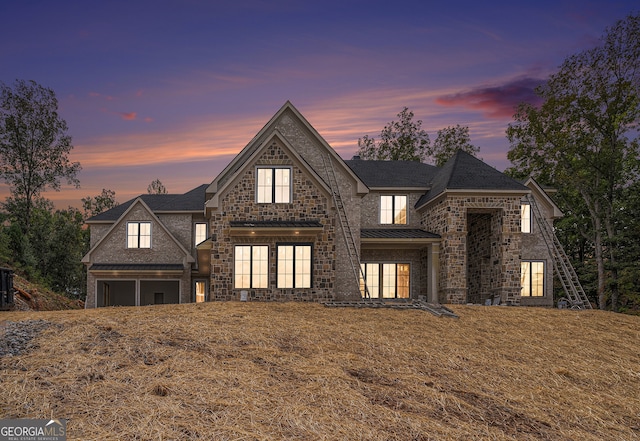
x: 561, y: 264
x: 350, y: 242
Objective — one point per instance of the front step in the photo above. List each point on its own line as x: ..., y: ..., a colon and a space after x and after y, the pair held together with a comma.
x: 434, y: 308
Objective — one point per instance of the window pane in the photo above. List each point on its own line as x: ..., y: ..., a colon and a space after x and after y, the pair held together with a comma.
x: 525, y: 218
x: 201, y: 233
x: 537, y: 278
x: 400, y: 210
x: 525, y: 277
x: 132, y: 235
x: 403, y: 280
x: 285, y: 266
x: 386, y: 209
x: 264, y: 189
x: 282, y: 185
x: 200, y: 288
x: 242, y: 267
x: 260, y: 267
x: 303, y: 266
x: 389, y: 280
x: 145, y: 234
x: 373, y: 279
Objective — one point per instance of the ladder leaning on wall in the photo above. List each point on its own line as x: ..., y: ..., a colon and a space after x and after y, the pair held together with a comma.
x: 561, y: 264
x: 350, y: 242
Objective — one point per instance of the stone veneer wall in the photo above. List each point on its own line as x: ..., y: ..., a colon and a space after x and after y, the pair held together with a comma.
x: 307, y: 146
x: 308, y: 203
x: 448, y: 217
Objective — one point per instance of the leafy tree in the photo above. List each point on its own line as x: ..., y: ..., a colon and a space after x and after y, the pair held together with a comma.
x: 34, y: 146
x: 581, y: 139
x: 449, y: 140
x: 402, y: 140
x: 96, y: 205
x: 156, y: 187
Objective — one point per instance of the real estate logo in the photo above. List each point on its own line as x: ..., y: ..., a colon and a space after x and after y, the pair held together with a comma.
x: 33, y: 430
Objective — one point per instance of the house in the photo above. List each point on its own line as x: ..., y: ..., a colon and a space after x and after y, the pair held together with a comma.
x: 288, y: 219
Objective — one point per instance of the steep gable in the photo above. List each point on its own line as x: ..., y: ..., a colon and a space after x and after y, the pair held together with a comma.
x: 138, y: 210
x: 294, y: 130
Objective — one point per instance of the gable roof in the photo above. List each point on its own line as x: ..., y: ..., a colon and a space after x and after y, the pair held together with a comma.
x: 258, y: 142
x: 193, y: 200
x: 139, y: 201
x: 466, y: 172
x: 393, y: 174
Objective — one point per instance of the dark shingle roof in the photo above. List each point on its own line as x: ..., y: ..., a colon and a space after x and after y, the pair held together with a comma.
x: 396, y: 233
x: 466, y: 172
x: 393, y: 173
x: 192, y: 200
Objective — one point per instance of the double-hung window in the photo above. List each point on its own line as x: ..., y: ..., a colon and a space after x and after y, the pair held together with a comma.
x: 393, y: 209
x: 251, y: 266
x: 525, y: 218
x: 273, y: 185
x: 386, y: 280
x: 139, y: 235
x: 532, y: 278
x: 294, y: 266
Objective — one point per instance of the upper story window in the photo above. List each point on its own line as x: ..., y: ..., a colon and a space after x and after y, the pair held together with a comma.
x: 200, y: 233
x: 273, y: 185
x: 139, y: 235
x: 525, y: 218
x: 393, y: 209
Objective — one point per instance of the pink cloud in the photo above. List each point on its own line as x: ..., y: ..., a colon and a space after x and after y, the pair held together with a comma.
x: 99, y: 95
x: 128, y: 116
x: 496, y: 101
x: 148, y: 119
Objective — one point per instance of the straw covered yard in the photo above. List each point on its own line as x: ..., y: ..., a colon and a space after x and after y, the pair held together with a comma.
x: 288, y: 371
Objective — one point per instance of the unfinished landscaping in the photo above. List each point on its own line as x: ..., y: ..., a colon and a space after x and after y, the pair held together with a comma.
x: 272, y: 371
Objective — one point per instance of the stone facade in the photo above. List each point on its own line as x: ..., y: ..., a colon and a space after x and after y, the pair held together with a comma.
x: 471, y: 226
x: 476, y: 257
x: 308, y: 203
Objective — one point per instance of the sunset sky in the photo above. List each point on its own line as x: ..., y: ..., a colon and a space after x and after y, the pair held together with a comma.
x: 174, y: 89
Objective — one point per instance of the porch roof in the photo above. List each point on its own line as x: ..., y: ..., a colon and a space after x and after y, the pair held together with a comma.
x: 273, y: 227
x: 134, y: 267
x: 396, y: 233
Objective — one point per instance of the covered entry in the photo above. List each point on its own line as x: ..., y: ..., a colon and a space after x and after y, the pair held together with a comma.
x: 484, y: 257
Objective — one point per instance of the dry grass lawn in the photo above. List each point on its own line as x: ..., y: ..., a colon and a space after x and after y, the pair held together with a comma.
x: 283, y: 371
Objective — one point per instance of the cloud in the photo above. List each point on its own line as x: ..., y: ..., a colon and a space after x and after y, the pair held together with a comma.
x: 496, y: 101
x: 131, y: 116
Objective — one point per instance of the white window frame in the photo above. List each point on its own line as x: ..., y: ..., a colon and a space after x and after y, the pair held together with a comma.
x: 395, y: 212
x: 270, y: 188
x: 530, y: 290
x: 250, y: 269
x: 135, y: 236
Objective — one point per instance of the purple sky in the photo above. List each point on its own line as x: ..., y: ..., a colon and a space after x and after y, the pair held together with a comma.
x: 174, y: 89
